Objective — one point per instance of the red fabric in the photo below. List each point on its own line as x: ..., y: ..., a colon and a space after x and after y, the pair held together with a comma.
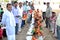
x: 33, y: 38
x: 1, y: 33
x: 31, y: 11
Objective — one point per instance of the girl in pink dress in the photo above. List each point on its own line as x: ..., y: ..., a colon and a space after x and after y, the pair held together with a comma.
x: 53, y: 23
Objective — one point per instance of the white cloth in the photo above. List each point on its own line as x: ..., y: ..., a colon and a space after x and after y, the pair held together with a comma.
x: 9, y: 21
x: 49, y: 12
x: 58, y: 20
x: 40, y: 38
x: 20, y: 19
x: 28, y: 7
x: 11, y: 37
x: 20, y: 11
x: 29, y: 38
x: 20, y: 22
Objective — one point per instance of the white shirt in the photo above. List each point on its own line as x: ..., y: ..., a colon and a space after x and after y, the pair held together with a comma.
x: 58, y: 20
x: 20, y: 11
x: 28, y: 7
x: 49, y: 12
x: 9, y: 21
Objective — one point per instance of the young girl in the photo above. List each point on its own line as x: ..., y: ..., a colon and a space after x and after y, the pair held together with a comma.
x: 1, y: 33
x: 53, y: 23
x: 24, y: 18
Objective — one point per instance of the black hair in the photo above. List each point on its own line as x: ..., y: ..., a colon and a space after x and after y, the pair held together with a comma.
x: 53, y: 13
x: 15, y: 2
x: 44, y: 3
x: 26, y: 1
x: 48, y: 2
x: 8, y: 4
x: 20, y: 2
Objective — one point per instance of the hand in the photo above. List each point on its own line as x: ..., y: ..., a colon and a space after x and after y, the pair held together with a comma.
x: 18, y: 16
x: 3, y: 25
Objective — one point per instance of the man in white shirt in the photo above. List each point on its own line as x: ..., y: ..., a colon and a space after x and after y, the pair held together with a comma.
x: 58, y: 26
x: 48, y: 15
x: 20, y: 8
x: 9, y: 21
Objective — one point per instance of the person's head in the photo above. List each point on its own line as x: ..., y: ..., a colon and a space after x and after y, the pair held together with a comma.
x: 32, y: 4
x: 29, y: 4
x: 48, y: 4
x: 26, y: 1
x: 44, y: 3
x: 20, y: 4
x: 36, y: 27
x: 53, y: 14
x: 38, y: 22
x: 9, y: 7
x: 37, y: 10
x: 15, y: 3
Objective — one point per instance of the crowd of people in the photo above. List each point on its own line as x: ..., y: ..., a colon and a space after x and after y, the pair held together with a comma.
x: 18, y: 14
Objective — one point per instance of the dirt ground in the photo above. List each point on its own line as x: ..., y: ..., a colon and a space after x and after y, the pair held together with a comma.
x: 22, y: 34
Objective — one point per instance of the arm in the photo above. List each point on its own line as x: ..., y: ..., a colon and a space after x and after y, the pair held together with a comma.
x: 4, y: 19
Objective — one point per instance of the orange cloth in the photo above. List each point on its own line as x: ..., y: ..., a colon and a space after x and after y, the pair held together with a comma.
x: 39, y: 32
x: 24, y: 16
x: 33, y: 38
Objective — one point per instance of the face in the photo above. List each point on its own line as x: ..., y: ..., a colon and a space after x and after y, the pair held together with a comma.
x: 53, y: 14
x: 48, y: 5
x: 15, y: 4
x: 20, y: 4
x: 9, y: 7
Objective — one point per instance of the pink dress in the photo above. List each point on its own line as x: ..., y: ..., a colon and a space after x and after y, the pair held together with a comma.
x: 53, y: 24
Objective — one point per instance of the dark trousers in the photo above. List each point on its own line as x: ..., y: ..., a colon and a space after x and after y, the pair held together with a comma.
x: 48, y: 23
x: 16, y: 28
x: 58, y: 32
x: 23, y: 23
x: 44, y: 15
x: 30, y: 18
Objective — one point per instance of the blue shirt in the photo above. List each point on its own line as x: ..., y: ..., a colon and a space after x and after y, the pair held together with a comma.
x: 25, y: 8
x: 15, y: 12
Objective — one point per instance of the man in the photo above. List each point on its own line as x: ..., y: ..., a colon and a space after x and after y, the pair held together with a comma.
x: 20, y: 8
x: 25, y: 6
x: 48, y: 15
x: 32, y: 6
x: 15, y: 13
x: 58, y: 26
x: 29, y: 14
x: 9, y: 21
